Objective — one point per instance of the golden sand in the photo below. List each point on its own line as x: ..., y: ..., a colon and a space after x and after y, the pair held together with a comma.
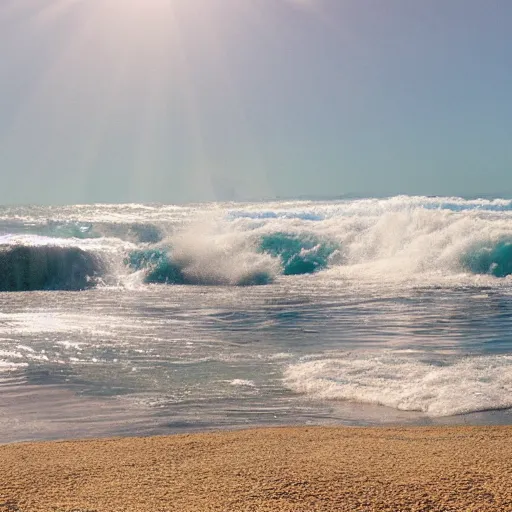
x: 300, y: 469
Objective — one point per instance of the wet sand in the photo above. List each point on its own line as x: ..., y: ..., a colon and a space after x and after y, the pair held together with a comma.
x: 293, y: 469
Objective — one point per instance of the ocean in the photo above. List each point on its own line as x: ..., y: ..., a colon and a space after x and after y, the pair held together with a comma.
x: 143, y: 319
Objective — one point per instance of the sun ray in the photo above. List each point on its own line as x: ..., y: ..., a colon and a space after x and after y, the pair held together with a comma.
x: 55, y: 89
x: 126, y: 66
x: 53, y: 11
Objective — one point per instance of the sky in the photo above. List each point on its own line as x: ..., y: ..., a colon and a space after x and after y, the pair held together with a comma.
x: 175, y: 101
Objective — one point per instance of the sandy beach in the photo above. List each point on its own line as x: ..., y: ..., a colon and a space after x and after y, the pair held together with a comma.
x: 299, y: 469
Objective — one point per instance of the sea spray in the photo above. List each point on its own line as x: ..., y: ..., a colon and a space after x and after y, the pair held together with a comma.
x: 205, y: 256
x: 402, y: 239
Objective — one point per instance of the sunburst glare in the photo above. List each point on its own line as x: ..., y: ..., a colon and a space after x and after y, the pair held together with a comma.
x: 134, y: 73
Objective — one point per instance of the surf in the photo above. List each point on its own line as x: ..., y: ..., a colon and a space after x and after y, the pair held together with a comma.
x: 48, y: 267
x: 418, y: 240
x: 436, y: 387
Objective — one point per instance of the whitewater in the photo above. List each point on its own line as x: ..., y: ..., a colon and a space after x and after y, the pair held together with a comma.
x: 144, y: 319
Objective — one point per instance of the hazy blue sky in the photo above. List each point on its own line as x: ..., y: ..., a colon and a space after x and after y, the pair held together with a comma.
x: 185, y: 100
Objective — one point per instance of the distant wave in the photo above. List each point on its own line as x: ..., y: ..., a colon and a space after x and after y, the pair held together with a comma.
x: 52, y: 229
x: 138, y: 232
x: 145, y: 233
x: 28, y: 268
x: 311, y: 216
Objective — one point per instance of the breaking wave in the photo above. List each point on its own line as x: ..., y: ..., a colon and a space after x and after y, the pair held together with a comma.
x: 162, y: 266
x: 299, y: 253
x: 205, y: 261
x: 47, y: 267
x: 489, y: 258
x: 416, y: 239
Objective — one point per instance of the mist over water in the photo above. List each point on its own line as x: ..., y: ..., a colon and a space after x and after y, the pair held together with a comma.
x: 180, y: 318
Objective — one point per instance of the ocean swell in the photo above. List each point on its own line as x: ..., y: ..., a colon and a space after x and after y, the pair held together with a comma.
x: 493, y: 258
x: 299, y: 253
x: 135, y: 232
x: 48, y: 267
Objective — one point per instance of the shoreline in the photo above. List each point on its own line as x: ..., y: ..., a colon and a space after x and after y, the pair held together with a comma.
x: 306, y: 468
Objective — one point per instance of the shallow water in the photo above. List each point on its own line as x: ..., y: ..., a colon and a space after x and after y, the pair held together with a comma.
x: 400, y: 312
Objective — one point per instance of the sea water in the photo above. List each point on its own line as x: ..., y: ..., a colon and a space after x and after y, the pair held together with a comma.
x: 143, y: 319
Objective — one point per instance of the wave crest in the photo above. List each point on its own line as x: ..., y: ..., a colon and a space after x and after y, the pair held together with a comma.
x: 489, y: 258
x: 299, y: 253
x: 205, y: 254
x: 206, y: 261
x: 46, y: 267
x: 163, y: 266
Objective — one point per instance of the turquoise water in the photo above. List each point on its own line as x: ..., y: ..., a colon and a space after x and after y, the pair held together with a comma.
x: 135, y: 319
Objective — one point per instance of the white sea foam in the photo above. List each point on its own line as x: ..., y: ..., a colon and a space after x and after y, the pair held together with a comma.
x: 10, y: 354
x: 441, y: 388
x: 242, y: 383
x: 395, y: 239
x: 8, y: 366
x: 400, y: 244
x: 25, y: 348
x: 71, y: 344
x: 400, y: 238
x: 212, y: 253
